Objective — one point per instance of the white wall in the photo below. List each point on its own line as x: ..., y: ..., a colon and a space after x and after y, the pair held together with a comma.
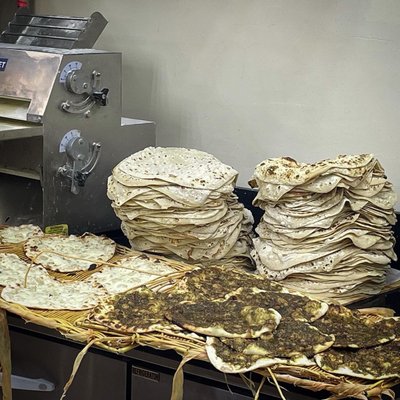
x: 251, y: 79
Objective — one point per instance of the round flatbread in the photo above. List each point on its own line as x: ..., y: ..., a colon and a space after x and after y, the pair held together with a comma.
x: 12, y: 269
x: 380, y: 362
x: 293, y: 340
x: 286, y: 170
x: 44, y: 292
x: 291, y: 306
x: 218, y: 283
x: 18, y: 234
x: 131, y: 272
x: 137, y: 311
x: 160, y: 165
x: 226, y: 360
x: 229, y: 318
x: 352, y: 330
x: 70, y: 253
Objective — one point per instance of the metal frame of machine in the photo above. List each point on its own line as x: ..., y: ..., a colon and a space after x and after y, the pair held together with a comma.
x: 61, y: 132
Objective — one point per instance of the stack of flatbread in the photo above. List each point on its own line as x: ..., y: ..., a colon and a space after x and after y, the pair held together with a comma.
x: 326, y: 228
x: 177, y: 201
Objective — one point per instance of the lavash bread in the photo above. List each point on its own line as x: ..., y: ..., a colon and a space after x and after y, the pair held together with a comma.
x: 180, y: 202
x: 18, y: 234
x: 326, y: 229
x: 70, y: 253
x: 33, y: 287
x: 131, y: 272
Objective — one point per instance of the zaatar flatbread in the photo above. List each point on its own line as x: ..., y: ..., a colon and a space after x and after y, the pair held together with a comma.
x: 222, y: 280
x: 44, y: 292
x: 380, y: 362
x: 229, y: 318
x: 137, y: 311
x: 131, y: 272
x: 18, y: 234
x: 218, y: 283
x: 290, y: 306
x: 70, y: 253
x: 225, y: 359
x: 352, y: 330
x: 293, y: 340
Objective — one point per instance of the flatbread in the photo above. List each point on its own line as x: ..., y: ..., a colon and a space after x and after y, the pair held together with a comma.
x: 291, y: 306
x: 297, y: 341
x: 226, y: 360
x: 229, y: 318
x: 352, y: 330
x: 18, y: 234
x: 47, y: 293
x: 218, y: 283
x: 12, y: 269
x: 131, y: 272
x: 380, y: 362
x: 137, y: 311
x: 286, y: 170
x: 158, y: 166
x: 70, y: 253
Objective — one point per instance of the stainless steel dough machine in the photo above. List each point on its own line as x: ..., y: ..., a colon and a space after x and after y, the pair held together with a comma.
x: 61, y: 130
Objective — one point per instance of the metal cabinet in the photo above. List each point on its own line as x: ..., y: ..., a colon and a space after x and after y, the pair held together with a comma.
x: 99, y: 377
x: 150, y: 384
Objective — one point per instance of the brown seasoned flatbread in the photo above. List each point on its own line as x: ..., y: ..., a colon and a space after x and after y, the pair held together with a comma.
x: 290, y: 306
x: 70, y: 253
x: 352, y: 330
x: 137, y: 311
x: 293, y: 340
x: 227, y: 360
x: 219, y: 282
x: 378, y: 362
x: 229, y: 318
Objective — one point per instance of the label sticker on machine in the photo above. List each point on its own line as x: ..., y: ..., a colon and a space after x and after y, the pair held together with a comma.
x: 72, y: 134
x: 61, y: 229
x: 3, y: 63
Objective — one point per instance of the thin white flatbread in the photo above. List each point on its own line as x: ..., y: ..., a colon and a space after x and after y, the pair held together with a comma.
x: 70, y: 253
x: 47, y: 293
x: 185, y: 167
x: 131, y: 272
x: 18, y: 234
x: 12, y: 269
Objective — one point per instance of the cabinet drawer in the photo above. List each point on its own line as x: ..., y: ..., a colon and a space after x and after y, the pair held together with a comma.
x: 98, y: 378
x: 151, y: 384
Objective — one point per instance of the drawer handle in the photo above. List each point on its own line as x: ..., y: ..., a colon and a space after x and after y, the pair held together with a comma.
x: 34, y: 385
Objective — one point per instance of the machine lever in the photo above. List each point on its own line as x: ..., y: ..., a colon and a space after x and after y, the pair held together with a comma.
x: 101, y: 97
x: 82, y: 159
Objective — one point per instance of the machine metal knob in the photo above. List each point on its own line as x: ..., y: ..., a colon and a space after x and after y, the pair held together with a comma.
x: 101, y: 97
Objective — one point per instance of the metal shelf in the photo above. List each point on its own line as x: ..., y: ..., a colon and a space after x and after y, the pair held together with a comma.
x: 34, y: 175
x: 10, y: 129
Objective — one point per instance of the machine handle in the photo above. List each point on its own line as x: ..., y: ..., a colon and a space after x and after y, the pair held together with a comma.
x: 30, y: 384
x: 101, y: 97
